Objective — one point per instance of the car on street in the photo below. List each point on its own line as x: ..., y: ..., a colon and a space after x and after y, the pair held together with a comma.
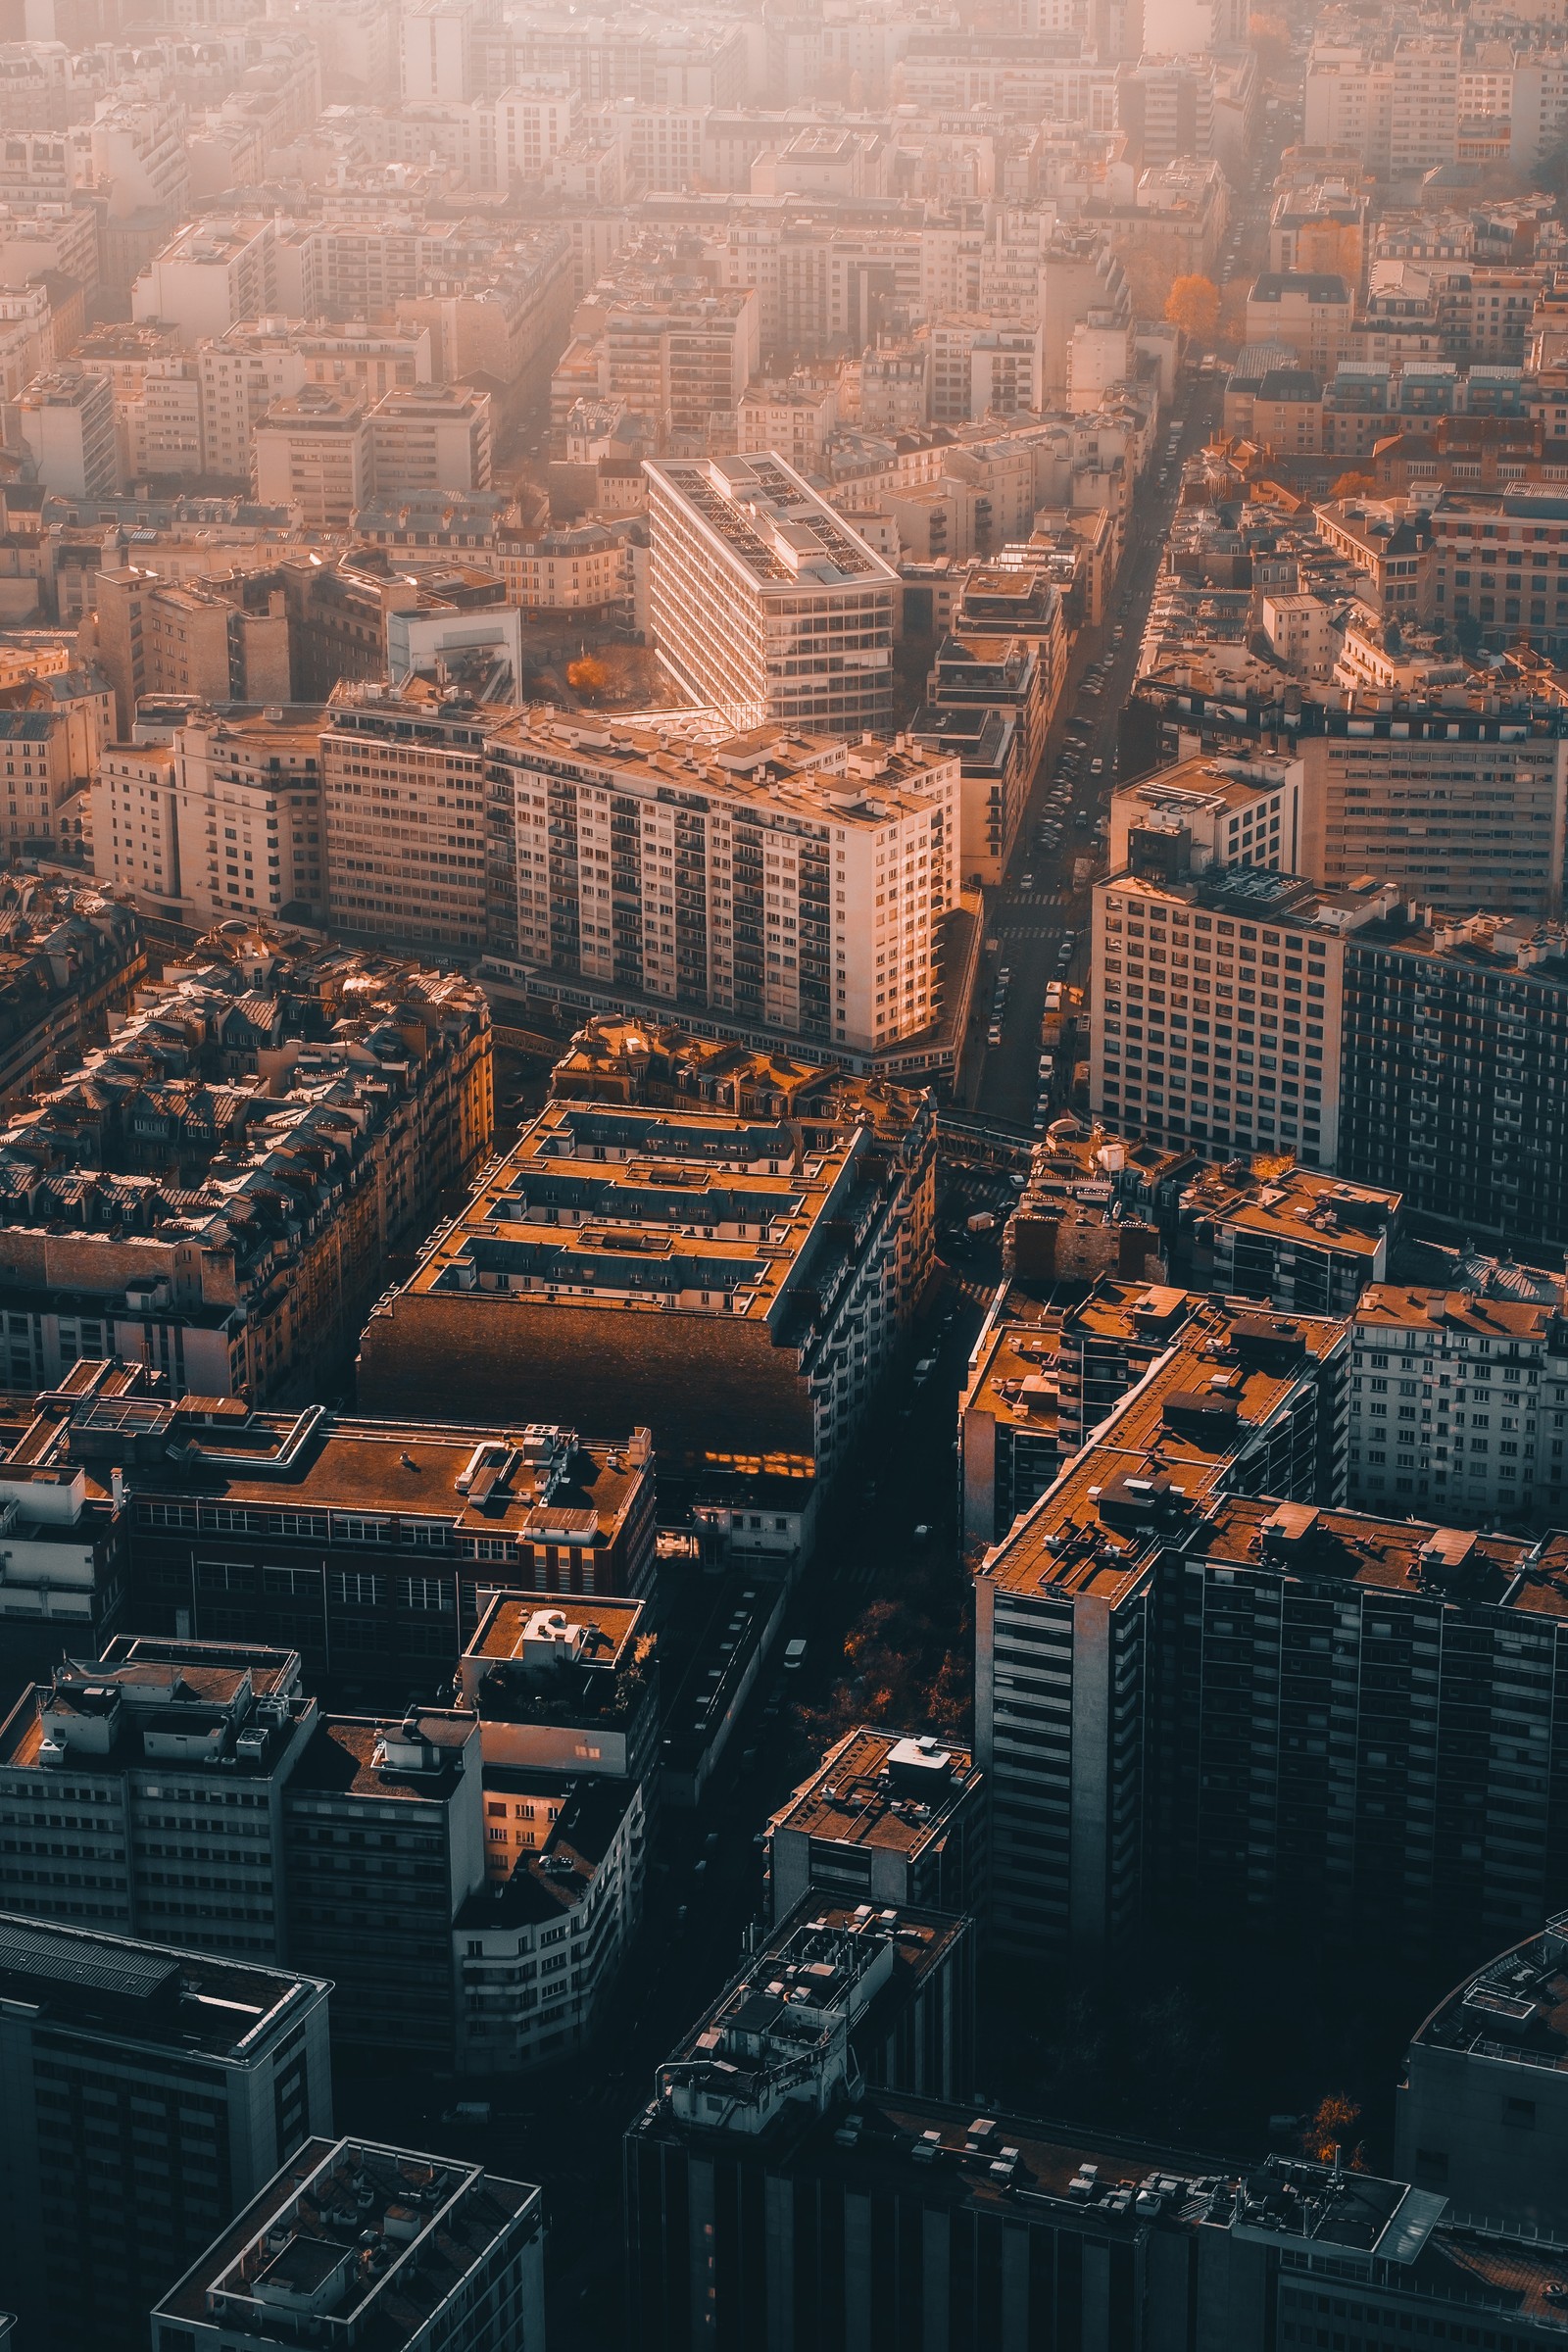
x: 1026, y: 881
x: 994, y: 1034
x: 794, y: 1656
x: 1096, y: 768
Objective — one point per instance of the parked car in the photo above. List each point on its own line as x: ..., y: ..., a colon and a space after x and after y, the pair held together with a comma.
x: 794, y: 1656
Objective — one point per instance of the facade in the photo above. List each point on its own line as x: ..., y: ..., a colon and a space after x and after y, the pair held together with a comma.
x: 313, y: 451
x: 763, y: 603
x: 67, y: 423
x: 883, y: 1820
x: 457, y: 2259
x: 740, y: 1286
x: 430, y: 437
x: 798, y: 885
x: 218, y: 641
x: 71, y: 959
x: 1066, y: 1629
x: 384, y: 1845
x: 1426, y: 1359
x: 149, y: 2093
x: 1481, y: 2112
x: 403, y: 788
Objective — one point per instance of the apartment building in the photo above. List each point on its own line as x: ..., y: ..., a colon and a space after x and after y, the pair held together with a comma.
x: 430, y: 437
x: 383, y: 1843
x: 218, y: 641
x: 247, y: 788
x: 682, y: 358
x: 788, y: 884
x: 454, y: 2248
x: 1066, y: 1631
x: 166, y: 1762
x: 1501, y: 564
x: 1391, y: 544
x: 591, y: 570
x: 1308, y: 312
x: 150, y: 2093
x: 73, y: 958
x: 1453, y: 1037
x: 975, y: 674
x: 885, y: 1819
x: 1218, y: 1021
x: 1464, y: 1390
x: 322, y: 1512
x: 1295, y: 1236
x: 335, y: 1096
x: 751, y: 1282
x: 210, y: 277
x: 403, y: 791
x: 66, y: 422
x: 1209, y: 813
x: 981, y: 367
x: 763, y: 604
x: 1481, y: 2116
x: 313, y: 451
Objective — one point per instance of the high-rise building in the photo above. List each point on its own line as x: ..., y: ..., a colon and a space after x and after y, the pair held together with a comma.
x: 1068, y: 1628
x: 430, y: 437
x: 66, y: 421
x: 788, y: 885
x: 355, y: 2243
x: 218, y: 641
x: 1292, y: 1236
x: 882, y: 1820
x: 313, y: 451
x: 741, y: 1287
x: 765, y: 605
x: 403, y: 784
x: 149, y: 2093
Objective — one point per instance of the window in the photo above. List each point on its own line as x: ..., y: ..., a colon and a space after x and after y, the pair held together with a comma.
x: 424, y: 1593
x: 1520, y: 2113
x: 358, y: 1588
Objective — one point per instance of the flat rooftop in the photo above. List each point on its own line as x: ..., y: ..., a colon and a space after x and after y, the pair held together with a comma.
x: 1163, y: 1451
x: 761, y: 518
x: 295, y: 2255
x: 1514, y: 2010
x: 84, y: 1982
x: 1401, y: 1306
x: 633, y: 1205
x: 419, y: 1759
x: 1016, y: 1376
x: 1415, y: 1558
x: 881, y: 1788
x: 1298, y: 1205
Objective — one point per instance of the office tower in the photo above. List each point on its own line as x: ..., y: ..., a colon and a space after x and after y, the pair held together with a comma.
x: 372, y: 1546
x: 403, y: 784
x: 354, y: 2243
x: 765, y: 603
x: 795, y: 886
x: 383, y: 1843
x: 883, y: 1819
x: 1426, y: 1359
x: 1482, y: 2110
x: 142, y: 1793
x: 675, y: 1299
x: 149, y: 2093
x: 1068, y: 1628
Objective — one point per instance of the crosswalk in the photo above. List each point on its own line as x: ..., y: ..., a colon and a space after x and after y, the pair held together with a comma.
x: 1026, y: 931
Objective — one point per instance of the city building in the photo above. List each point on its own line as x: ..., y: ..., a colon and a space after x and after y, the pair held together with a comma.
x: 351, y: 2242
x: 219, y: 641
x: 430, y: 437
x: 156, y: 1757
x: 149, y: 2093
x: 1425, y: 1361
x: 740, y: 1286
x: 66, y: 420
x: 1066, y: 1631
x: 886, y: 1820
x: 313, y: 451
x: 70, y: 960
x: 1295, y: 1237
x: 403, y: 789
x: 765, y: 605
x: 567, y: 1689
x: 1481, y: 2110
x: 956, y: 2228
x: 371, y: 1547
x: 798, y: 886
x: 213, y: 1193
x: 383, y: 1838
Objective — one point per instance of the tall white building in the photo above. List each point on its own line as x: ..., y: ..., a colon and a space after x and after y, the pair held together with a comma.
x: 765, y: 603
x: 802, y: 886
x: 403, y: 786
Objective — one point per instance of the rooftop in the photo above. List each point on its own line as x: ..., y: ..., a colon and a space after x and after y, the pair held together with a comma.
x: 881, y: 1788
x: 81, y: 1981
x: 420, y: 1759
x: 1410, y: 1556
x: 761, y: 516
x: 1514, y: 2010
x: 367, y: 2240
x: 1295, y: 1204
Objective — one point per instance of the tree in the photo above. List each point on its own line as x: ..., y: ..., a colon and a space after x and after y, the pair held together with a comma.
x: 587, y: 675
x: 1192, y: 305
x: 1330, y: 2126
x: 1353, y: 485
x: 1270, y: 37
